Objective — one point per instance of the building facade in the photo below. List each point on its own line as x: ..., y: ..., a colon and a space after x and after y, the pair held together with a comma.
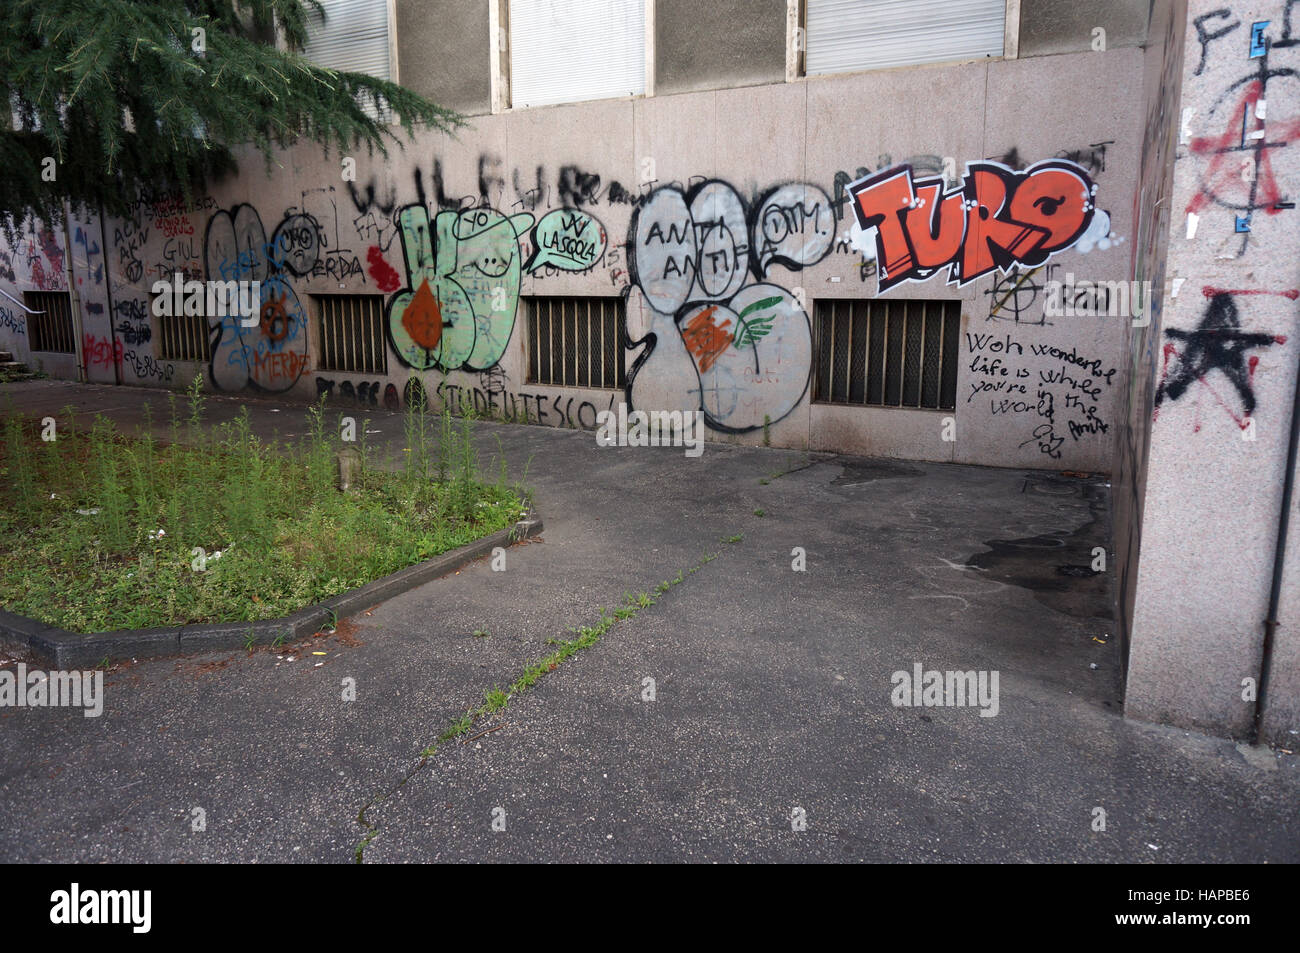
x: 943, y: 231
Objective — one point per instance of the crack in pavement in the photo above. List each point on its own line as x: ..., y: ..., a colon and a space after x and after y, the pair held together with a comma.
x: 587, y: 637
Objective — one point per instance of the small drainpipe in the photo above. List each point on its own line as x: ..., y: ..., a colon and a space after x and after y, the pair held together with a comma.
x: 108, y: 295
x: 74, y: 300
x: 1279, y: 557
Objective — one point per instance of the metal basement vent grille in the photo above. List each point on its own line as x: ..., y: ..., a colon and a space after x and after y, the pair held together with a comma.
x: 51, y: 330
x: 887, y: 353
x: 351, y: 333
x: 574, y: 342
x: 183, y: 337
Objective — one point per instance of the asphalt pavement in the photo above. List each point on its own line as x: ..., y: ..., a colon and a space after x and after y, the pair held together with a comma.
x: 747, y: 714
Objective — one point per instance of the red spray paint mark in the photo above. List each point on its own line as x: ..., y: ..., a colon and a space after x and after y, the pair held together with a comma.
x: 382, y: 272
x: 1223, y: 179
x: 1210, y: 292
x: 100, y: 352
x: 706, y: 340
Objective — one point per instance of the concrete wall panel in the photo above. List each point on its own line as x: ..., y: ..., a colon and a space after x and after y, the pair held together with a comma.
x: 727, y: 43
x: 1226, y: 374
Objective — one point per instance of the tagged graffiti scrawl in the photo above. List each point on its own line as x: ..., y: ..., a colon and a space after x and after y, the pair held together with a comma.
x: 1218, y: 343
x: 10, y: 321
x: 363, y: 393
x: 998, y: 218
x: 568, y: 240
x: 44, y: 260
x: 692, y: 256
x: 272, y: 354
x: 1236, y: 166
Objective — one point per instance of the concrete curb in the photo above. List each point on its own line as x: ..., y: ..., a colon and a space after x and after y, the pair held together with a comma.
x: 66, y: 650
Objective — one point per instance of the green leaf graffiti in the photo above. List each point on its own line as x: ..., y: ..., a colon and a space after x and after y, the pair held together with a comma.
x: 755, y: 329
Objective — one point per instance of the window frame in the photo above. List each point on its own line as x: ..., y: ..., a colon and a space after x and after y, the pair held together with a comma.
x: 394, y: 65
x: 502, y: 90
x: 326, y: 362
x: 164, y: 336
x: 42, y: 329
x: 796, y: 46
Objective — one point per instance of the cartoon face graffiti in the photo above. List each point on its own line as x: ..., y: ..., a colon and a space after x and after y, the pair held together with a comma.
x: 458, y: 309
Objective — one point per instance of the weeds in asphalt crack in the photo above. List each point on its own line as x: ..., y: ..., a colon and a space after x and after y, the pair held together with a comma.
x: 496, y: 699
x: 777, y: 474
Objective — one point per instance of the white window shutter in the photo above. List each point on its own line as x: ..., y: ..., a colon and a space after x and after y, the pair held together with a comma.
x: 564, y: 51
x: 352, y: 39
x: 849, y: 35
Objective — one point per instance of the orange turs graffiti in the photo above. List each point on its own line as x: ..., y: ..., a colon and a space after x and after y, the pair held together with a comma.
x: 996, y: 219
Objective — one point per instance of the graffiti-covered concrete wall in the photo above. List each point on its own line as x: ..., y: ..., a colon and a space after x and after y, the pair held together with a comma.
x: 1223, y: 385
x: 722, y: 217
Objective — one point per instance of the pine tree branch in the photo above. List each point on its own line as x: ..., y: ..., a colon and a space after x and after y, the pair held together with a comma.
x: 101, y: 85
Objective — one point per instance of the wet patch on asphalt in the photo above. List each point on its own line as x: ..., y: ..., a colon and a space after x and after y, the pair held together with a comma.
x: 1057, y: 567
x: 860, y: 471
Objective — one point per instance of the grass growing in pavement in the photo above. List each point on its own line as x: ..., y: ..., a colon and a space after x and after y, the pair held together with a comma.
x: 496, y: 699
x: 777, y: 474
x: 100, y: 530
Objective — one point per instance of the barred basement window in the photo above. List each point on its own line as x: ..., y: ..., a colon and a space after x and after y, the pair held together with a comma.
x: 574, y: 342
x: 351, y: 333
x: 51, y: 330
x: 182, y: 337
x: 887, y: 353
